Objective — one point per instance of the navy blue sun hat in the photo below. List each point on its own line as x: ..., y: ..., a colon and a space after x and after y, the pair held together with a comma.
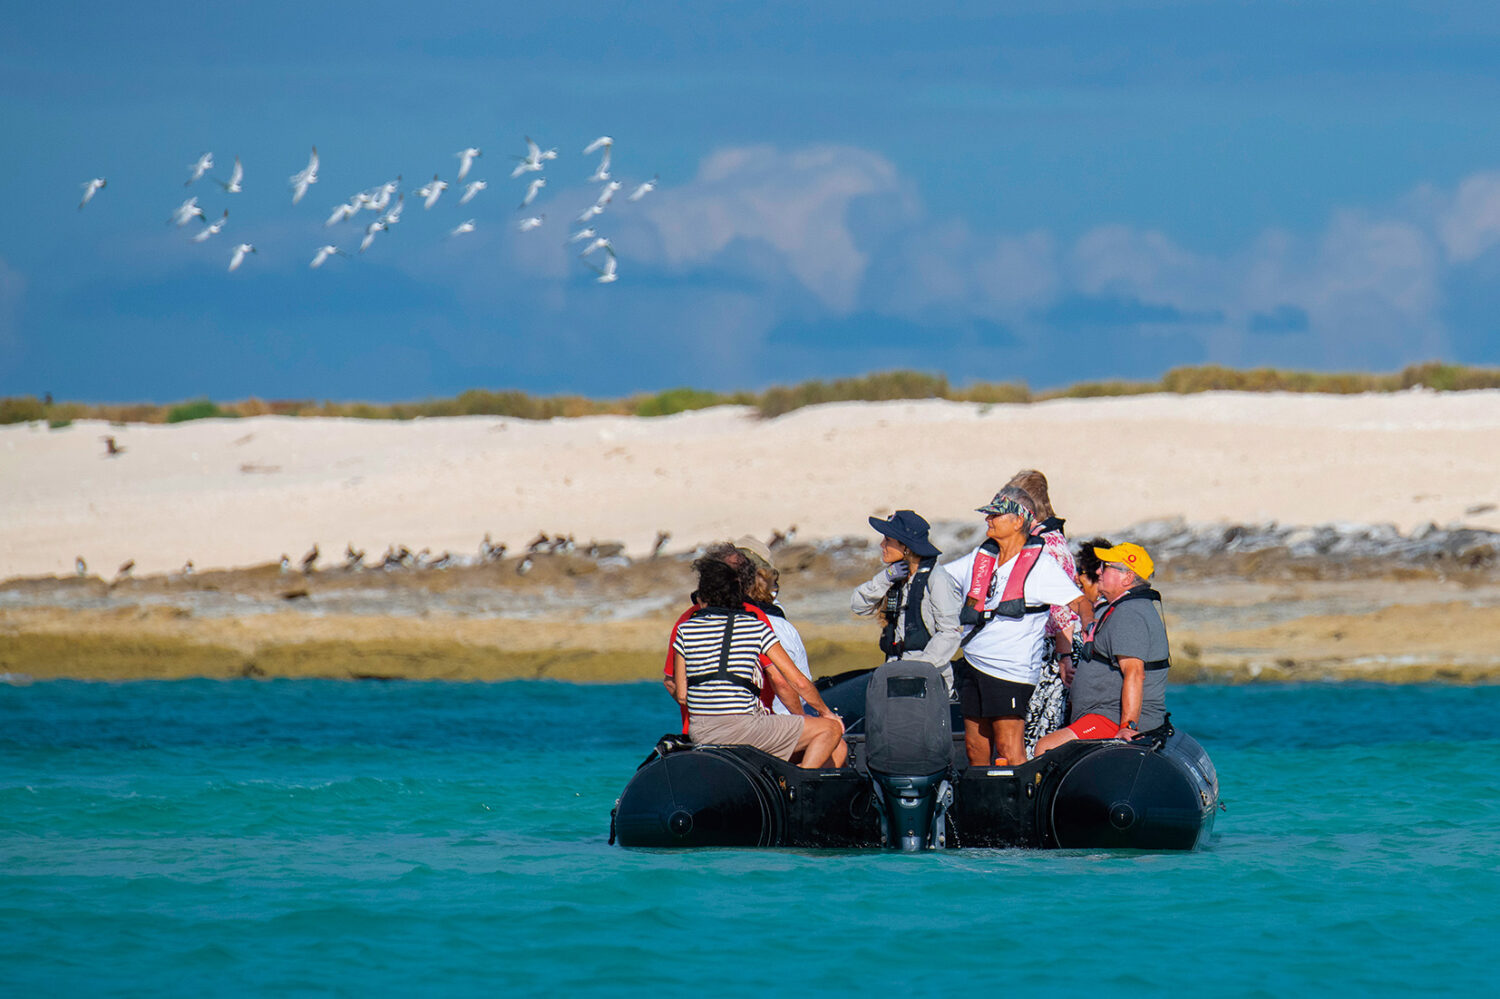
x: 909, y: 529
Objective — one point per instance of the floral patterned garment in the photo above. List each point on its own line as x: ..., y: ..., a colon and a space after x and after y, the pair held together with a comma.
x: 1049, y: 702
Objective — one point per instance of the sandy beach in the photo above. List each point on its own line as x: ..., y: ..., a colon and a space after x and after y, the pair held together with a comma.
x: 233, y: 496
x: 226, y: 493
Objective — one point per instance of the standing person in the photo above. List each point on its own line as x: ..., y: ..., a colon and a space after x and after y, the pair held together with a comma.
x: 920, y: 620
x: 1121, y: 685
x: 1049, y: 705
x: 1010, y: 588
x: 717, y: 677
x: 761, y: 595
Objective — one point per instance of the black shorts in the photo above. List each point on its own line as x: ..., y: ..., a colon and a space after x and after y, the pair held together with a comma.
x: 983, y: 696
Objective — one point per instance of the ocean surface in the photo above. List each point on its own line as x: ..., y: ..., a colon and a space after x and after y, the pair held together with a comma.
x: 323, y: 838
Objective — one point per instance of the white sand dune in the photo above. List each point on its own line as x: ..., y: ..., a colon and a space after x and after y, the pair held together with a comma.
x: 240, y: 492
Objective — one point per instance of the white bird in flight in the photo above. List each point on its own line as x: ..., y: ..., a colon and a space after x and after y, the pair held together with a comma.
x: 306, y: 177
x: 526, y: 225
x: 607, y: 195
x: 644, y: 189
x: 602, y: 173
x: 324, y: 252
x: 239, y: 255
x: 235, y: 176
x: 347, y: 210
x: 383, y: 194
x: 531, y: 191
x: 212, y: 229
x: 600, y: 243
x: 204, y: 164
x: 474, y: 188
x: 603, y: 142
x: 393, y: 216
x: 466, y: 158
x: 370, y: 231
x: 186, y: 212
x: 607, y: 275
x: 590, y: 212
x: 582, y: 234
x: 532, y: 161
x: 432, y: 191
x: 462, y: 228
x: 92, y: 188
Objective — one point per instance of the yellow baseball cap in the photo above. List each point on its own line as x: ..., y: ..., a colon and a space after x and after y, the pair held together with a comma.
x: 1133, y: 557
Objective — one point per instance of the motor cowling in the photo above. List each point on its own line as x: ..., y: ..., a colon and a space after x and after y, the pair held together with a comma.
x: 909, y: 753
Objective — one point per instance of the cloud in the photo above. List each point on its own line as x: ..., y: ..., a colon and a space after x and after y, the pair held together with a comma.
x: 794, y: 203
x: 1470, y: 224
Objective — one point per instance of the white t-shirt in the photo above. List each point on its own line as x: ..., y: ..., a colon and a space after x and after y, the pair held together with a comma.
x: 1010, y: 648
x: 792, y: 643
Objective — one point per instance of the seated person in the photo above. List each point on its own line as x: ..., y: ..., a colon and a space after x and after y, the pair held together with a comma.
x: 1121, y: 684
x: 920, y: 621
x: 761, y: 595
x: 1087, y: 578
x: 717, y: 677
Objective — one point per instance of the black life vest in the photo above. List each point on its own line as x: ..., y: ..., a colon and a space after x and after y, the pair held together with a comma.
x: 723, y: 674
x: 1138, y: 593
x: 906, y: 632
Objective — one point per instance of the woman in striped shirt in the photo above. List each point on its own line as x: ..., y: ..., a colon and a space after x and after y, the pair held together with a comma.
x: 716, y: 670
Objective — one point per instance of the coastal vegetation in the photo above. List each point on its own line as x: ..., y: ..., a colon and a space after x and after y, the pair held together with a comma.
x: 770, y: 402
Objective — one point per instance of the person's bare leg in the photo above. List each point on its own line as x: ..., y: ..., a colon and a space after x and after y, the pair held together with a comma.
x: 977, y: 741
x: 1052, y: 740
x: 840, y: 752
x: 1010, y: 740
x: 817, y: 741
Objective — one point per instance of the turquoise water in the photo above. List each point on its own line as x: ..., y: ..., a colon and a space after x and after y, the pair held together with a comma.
x: 309, y: 837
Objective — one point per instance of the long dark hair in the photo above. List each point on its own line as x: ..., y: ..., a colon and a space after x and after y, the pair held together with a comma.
x: 718, y: 584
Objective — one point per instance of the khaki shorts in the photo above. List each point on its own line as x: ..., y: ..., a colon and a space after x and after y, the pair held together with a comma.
x: 776, y: 734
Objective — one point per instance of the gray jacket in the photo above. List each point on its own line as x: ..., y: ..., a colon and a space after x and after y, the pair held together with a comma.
x: 940, y: 607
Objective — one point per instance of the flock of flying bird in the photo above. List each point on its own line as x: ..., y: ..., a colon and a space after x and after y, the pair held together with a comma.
x: 387, y: 200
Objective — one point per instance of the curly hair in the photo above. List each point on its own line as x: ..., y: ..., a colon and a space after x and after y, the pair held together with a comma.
x: 1087, y: 562
x: 1035, y: 484
x: 728, y: 554
x: 718, y: 584
x: 763, y: 590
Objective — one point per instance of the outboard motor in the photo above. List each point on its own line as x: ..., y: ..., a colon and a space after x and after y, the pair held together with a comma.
x: 909, y: 752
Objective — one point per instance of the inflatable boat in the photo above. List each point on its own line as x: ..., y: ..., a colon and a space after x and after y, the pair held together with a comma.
x: 908, y: 785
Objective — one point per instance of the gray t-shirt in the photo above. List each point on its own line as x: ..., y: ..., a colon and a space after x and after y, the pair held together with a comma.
x: 1134, y: 630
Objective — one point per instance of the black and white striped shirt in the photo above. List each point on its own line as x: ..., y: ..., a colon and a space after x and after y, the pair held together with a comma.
x: 700, y: 642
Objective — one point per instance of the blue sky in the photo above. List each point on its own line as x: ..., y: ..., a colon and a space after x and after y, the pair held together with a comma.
x: 1047, y: 192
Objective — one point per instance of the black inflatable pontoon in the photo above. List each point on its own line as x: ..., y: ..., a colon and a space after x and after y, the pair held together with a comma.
x: 909, y: 786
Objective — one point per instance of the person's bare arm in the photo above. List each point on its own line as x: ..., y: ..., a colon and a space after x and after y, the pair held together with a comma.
x: 679, y: 678
x: 1132, y: 686
x: 801, y: 684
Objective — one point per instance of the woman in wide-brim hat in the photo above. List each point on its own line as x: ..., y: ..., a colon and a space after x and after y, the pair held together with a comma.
x: 920, y: 622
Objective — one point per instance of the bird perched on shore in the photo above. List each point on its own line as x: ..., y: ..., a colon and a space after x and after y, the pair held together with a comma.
x: 125, y: 569
x: 780, y: 538
x: 188, y: 568
x: 310, y: 560
x: 537, y: 543
x: 524, y: 566
x: 90, y: 189
x: 111, y: 449
x: 489, y: 551
x: 657, y: 546
x: 286, y: 563
x: 353, y: 557
x: 80, y: 567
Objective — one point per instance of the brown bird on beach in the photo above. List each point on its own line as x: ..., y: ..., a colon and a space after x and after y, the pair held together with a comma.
x: 662, y: 537
x: 779, y: 538
x: 353, y: 557
x: 489, y: 551
x: 80, y: 566
x: 310, y: 559
x: 187, y: 568
x: 524, y: 566
x: 124, y: 570
x: 538, y: 543
x: 286, y: 563
x: 111, y: 449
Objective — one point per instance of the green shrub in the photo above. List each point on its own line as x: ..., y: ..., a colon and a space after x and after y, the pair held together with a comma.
x: 198, y: 409
x: 677, y: 400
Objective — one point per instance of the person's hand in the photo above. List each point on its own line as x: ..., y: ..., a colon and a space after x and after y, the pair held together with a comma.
x: 897, y: 571
x: 830, y: 713
x: 1065, y: 669
x: 1126, y: 733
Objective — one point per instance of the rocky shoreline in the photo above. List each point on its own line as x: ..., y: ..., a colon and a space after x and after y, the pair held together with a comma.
x: 1256, y: 602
